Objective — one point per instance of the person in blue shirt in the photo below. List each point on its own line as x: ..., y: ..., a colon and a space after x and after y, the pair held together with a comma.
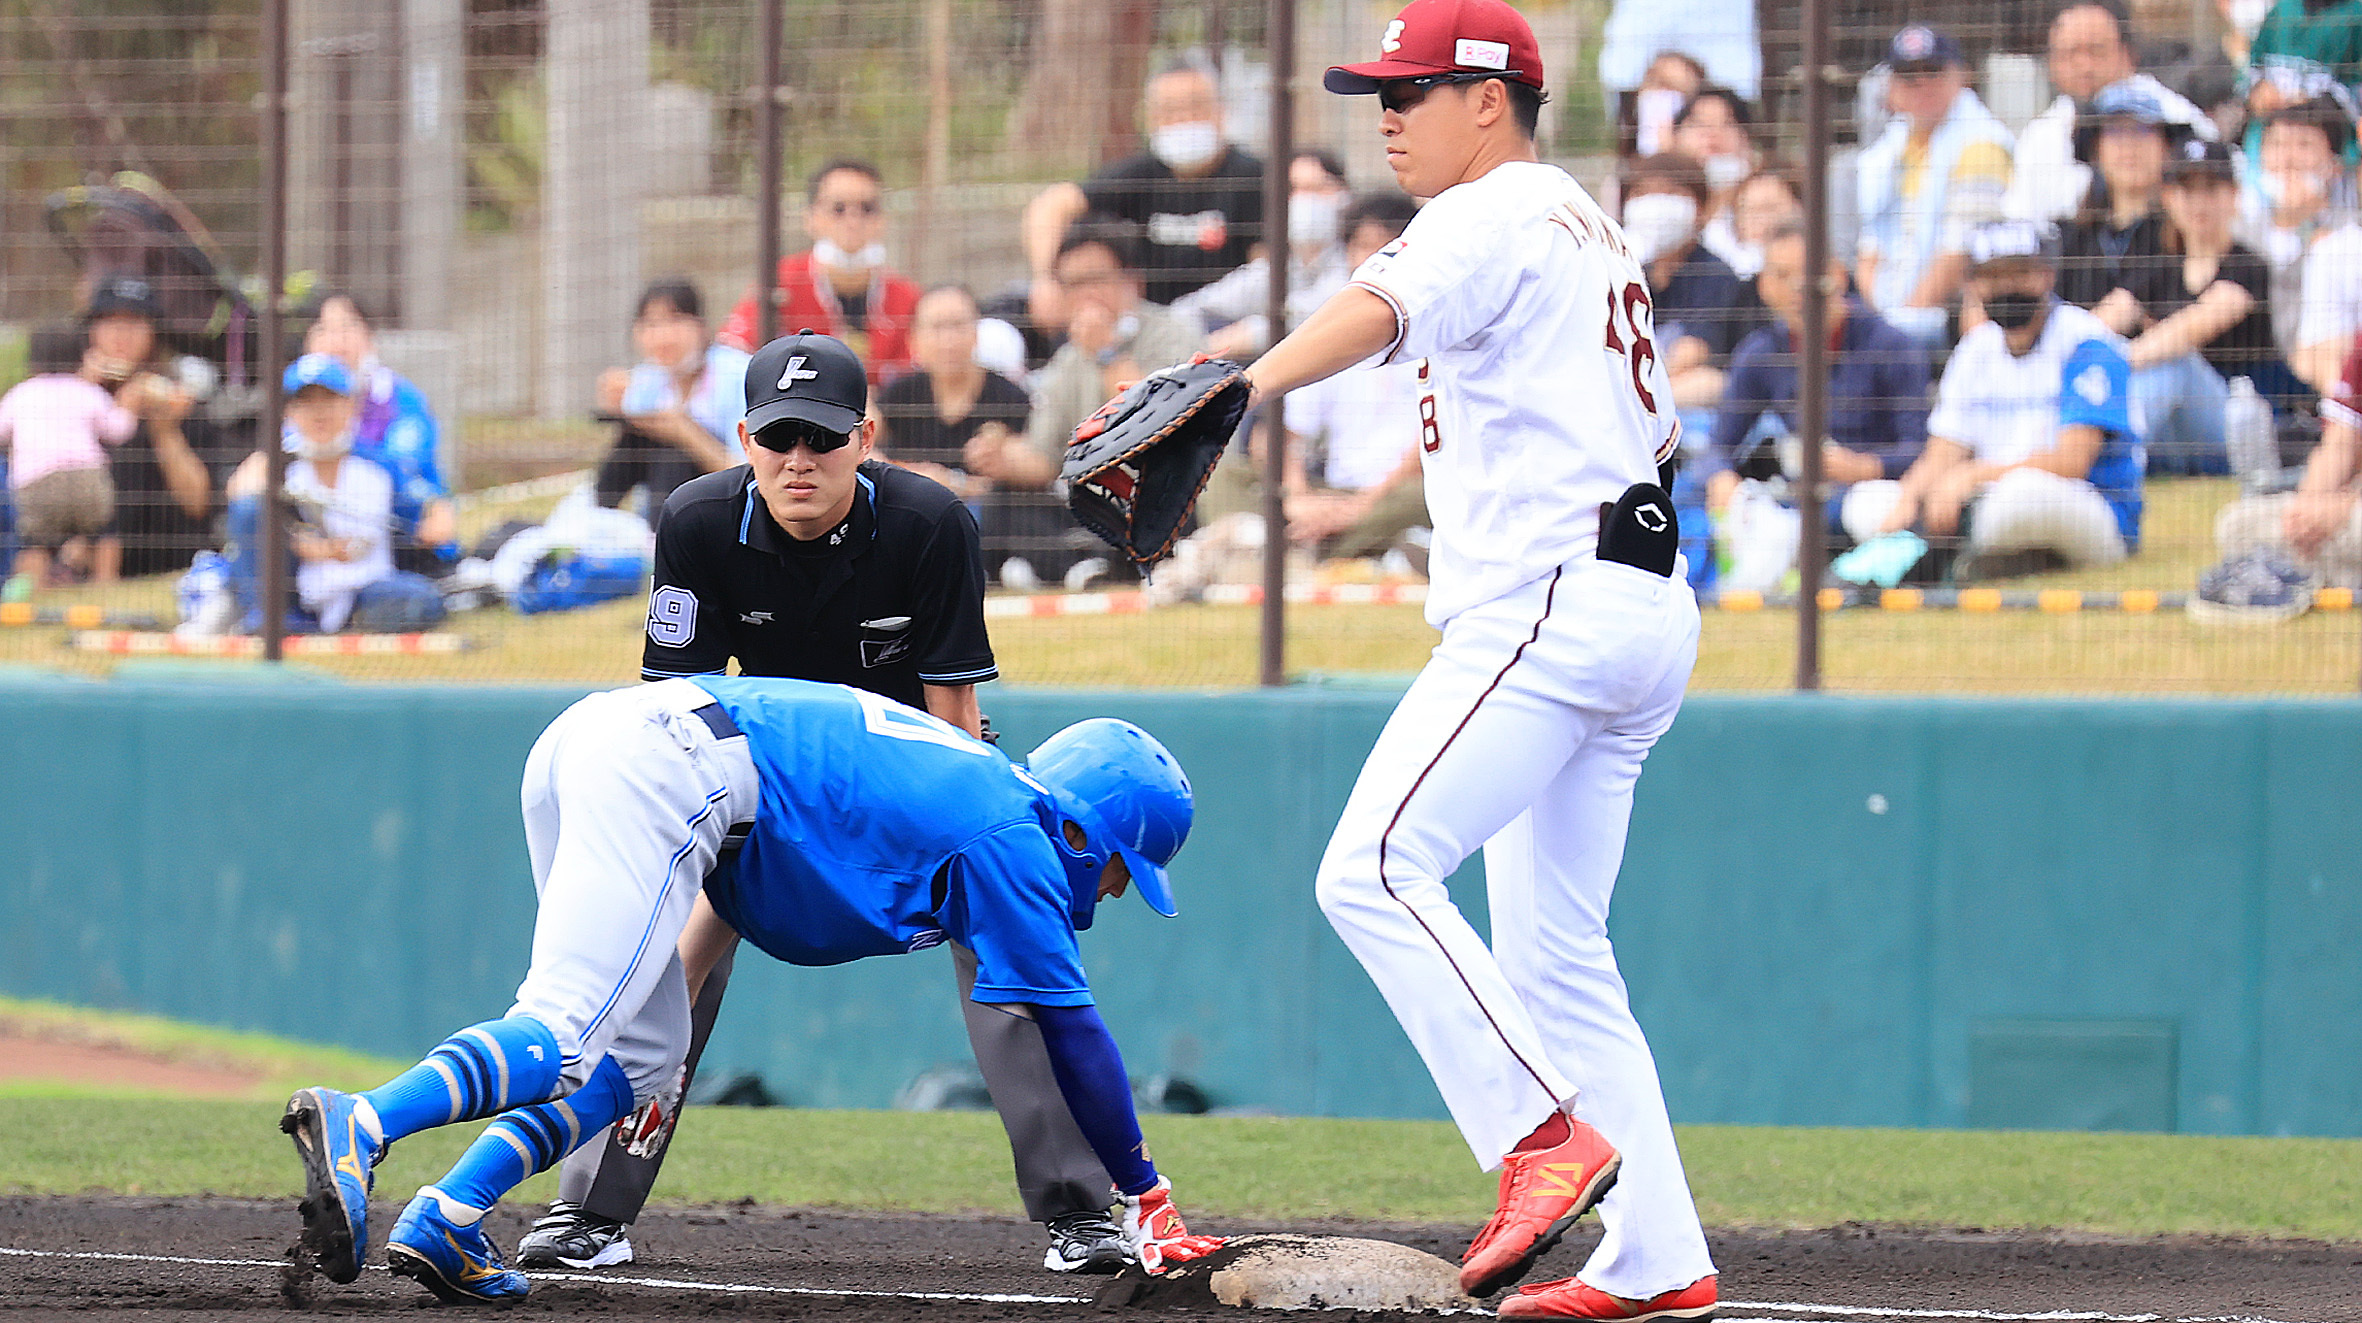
x: 871, y: 829
x: 395, y: 431
x: 1878, y: 385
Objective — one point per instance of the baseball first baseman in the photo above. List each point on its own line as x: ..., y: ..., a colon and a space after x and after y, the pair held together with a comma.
x: 1568, y: 636
x: 871, y: 829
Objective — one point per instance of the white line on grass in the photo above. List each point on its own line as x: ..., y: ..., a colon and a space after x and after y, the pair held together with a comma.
x: 1001, y: 1298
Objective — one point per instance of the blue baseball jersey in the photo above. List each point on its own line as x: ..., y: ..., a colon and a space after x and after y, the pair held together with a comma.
x: 882, y: 830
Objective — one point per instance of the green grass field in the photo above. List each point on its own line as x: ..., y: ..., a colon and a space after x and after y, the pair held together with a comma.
x: 1937, y: 652
x: 83, y: 1139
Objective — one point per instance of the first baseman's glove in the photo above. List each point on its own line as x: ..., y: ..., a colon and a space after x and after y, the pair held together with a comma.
x: 1154, y: 1233
x: 1135, y: 468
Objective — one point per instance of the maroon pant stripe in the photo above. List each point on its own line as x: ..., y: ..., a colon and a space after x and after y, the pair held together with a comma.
x: 1384, y: 840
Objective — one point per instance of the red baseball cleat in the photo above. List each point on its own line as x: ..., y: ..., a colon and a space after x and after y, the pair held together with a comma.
x: 1542, y: 1193
x: 1573, y: 1299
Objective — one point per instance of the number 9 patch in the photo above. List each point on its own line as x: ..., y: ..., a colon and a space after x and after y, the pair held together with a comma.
x: 672, y: 617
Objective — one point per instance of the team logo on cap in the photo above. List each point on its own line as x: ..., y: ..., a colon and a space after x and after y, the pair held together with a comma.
x: 1481, y: 54
x: 1392, y: 41
x: 2194, y: 150
x: 796, y: 371
x: 1915, y: 44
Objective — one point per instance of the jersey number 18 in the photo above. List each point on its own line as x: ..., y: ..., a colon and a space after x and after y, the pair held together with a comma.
x: 1639, y: 316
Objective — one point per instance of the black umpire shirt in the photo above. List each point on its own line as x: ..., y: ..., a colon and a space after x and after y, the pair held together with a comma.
x: 890, y: 600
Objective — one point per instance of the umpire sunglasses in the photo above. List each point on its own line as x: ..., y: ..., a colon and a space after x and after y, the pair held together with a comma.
x: 1401, y: 94
x: 789, y: 433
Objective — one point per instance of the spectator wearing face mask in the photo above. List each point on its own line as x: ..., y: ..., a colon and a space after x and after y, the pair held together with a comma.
x: 1712, y: 129
x: 341, y: 536
x: 1196, y: 200
x: 2090, y: 49
x: 1767, y: 201
x: 841, y: 285
x: 1233, y: 309
x: 1940, y: 168
x: 2307, y: 236
x: 1703, y: 309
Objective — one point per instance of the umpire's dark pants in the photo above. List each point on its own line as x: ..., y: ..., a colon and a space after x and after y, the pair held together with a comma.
x: 1056, y: 1171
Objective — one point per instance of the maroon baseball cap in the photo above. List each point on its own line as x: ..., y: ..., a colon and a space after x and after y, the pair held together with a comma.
x: 1447, y: 36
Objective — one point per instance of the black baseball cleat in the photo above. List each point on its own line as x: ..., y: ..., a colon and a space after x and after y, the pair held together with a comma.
x: 1086, y: 1242
x: 570, y: 1236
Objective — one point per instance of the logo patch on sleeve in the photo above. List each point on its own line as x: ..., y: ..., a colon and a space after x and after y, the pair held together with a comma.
x: 2093, y: 385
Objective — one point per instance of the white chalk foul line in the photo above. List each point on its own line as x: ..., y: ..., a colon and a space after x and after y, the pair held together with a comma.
x: 1000, y: 1298
x: 662, y: 1283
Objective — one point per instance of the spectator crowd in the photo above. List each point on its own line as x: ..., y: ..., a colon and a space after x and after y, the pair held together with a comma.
x: 2159, y: 273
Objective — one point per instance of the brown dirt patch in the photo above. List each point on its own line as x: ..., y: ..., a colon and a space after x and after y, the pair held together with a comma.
x: 222, y: 1258
x: 32, y: 1056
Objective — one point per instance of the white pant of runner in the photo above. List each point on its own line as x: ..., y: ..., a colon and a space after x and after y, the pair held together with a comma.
x: 1525, y: 735
x: 627, y: 798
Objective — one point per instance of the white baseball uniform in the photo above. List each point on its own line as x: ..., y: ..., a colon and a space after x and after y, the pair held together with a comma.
x: 1543, y: 398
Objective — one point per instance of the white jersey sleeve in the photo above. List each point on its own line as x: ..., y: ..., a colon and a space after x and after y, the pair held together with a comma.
x: 1446, y: 277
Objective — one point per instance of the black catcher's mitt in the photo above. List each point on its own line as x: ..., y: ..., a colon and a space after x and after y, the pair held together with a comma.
x: 1135, y: 468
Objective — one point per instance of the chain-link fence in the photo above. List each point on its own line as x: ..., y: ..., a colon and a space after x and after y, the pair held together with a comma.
x: 530, y: 230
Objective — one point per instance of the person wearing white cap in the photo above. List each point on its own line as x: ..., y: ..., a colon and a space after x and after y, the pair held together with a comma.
x: 2033, y: 457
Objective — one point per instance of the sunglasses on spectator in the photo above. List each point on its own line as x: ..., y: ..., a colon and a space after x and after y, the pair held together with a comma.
x: 866, y: 207
x: 787, y: 435
x: 1401, y: 94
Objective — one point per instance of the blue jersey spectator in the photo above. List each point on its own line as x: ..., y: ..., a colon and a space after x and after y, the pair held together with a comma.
x: 2032, y: 458
x: 397, y: 432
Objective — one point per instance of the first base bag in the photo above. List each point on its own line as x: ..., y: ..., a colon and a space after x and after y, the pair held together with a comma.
x: 1135, y: 468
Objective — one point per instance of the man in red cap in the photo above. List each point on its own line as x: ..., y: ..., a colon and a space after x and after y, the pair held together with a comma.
x: 1569, y: 632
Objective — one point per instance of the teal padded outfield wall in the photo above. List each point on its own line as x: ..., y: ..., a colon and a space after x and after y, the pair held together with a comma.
x: 1857, y: 911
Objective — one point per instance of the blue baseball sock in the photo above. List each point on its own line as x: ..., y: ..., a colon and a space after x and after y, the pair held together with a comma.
x: 535, y: 1138
x: 482, y: 1070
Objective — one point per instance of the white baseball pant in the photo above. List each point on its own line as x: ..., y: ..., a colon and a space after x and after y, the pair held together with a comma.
x: 1525, y: 734
x: 627, y: 798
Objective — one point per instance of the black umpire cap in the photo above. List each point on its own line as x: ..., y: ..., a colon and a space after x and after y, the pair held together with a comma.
x: 806, y: 377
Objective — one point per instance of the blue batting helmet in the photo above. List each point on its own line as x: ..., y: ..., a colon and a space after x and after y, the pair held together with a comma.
x: 1128, y: 793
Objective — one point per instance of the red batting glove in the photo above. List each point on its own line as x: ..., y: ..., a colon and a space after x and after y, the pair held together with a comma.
x: 1154, y: 1231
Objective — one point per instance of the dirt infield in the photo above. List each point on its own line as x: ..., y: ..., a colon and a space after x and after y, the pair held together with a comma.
x: 194, y: 1259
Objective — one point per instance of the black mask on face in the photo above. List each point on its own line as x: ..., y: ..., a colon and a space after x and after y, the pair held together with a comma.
x: 2014, y: 311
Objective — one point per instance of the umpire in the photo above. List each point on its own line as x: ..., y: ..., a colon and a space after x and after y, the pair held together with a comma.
x: 815, y: 562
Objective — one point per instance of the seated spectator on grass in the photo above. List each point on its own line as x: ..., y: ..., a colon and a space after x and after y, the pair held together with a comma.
x: 2032, y: 460
x: 1878, y: 389
x: 1368, y: 489
x: 841, y: 285
x: 927, y: 417
x: 2200, y: 314
x: 1712, y: 129
x: 168, y: 475
x: 1113, y: 336
x: 2278, y: 547
x: 342, y: 538
x: 678, y: 409
x: 2121, y: 223
x: 1234, y: 309
x: 2091, y: 49
x: 1195, y: 200
x: 58, y: 425
x: 396, y: 432
x: 1939, y: 169
x: 1703, y: 309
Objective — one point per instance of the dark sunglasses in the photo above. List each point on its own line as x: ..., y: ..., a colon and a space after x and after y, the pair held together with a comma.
x: 865, y: 208
x: 1401, y: 94
x: 788, y: 434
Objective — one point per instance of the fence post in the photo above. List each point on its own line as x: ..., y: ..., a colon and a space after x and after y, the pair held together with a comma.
x: 1280, y: 55
x: 1812, y: 402
x: 270, y: 529
x: 767, y: 177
